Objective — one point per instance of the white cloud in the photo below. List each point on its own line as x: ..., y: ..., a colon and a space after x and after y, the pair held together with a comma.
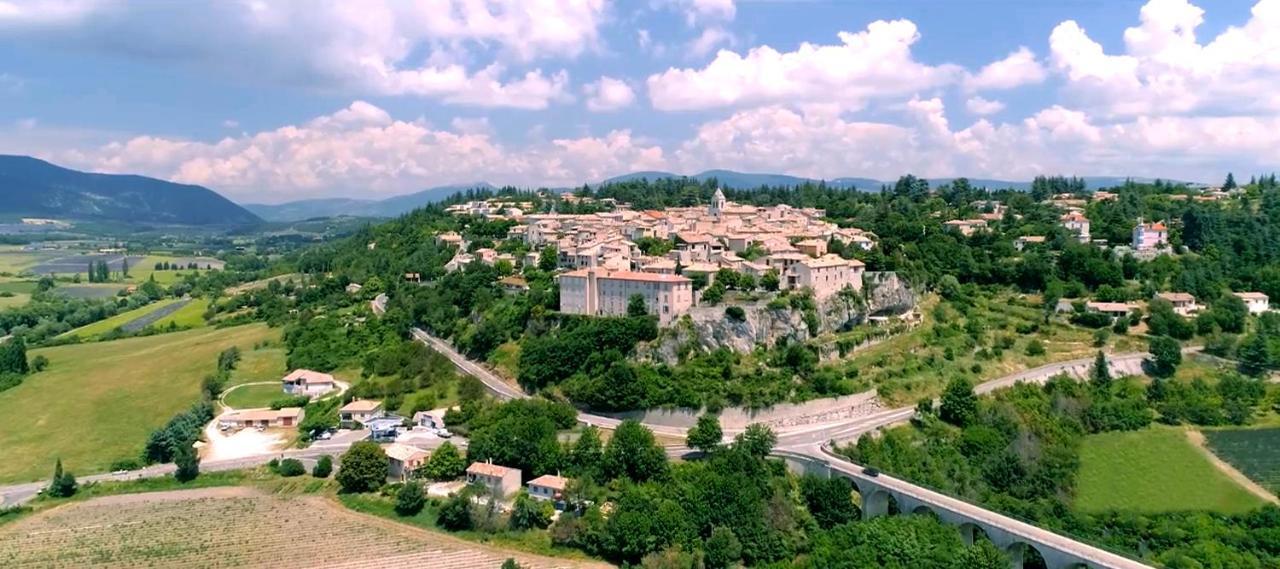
x: 46, y: 12
x: 230, y: 123
x: 608, y: 94
x: 701, y: 11
x: 708, y: 40
x: 1020, y: 68
x: 383, y: 47
x: 362, y: 151
x: 980, y: 106
x: 1165, y: 70
x: 870, y: 64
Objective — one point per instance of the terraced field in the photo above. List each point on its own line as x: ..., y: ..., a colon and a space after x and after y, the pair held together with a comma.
x: 234, y: 527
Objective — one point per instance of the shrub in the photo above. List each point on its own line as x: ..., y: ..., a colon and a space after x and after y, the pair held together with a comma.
x: 1035, y: 348
x: 291, y: 467
x: 39, y: 363
x: 293, y: 401
x: 125, y: 464
x: 409, y: 500
x: 446, y: 463
x: 455, y: 514
x: 736, y: 313
x: 363, y: 468
x: 528, y: 513
x: 323, y: 467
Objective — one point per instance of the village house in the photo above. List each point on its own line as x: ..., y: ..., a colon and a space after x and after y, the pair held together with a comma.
x: 429, y: 419
x: 353, y: 288
x: 826, y: 276
x: 607, y: 293
x: 499, y: 480
x: 287, y: 417
x: 548, y: 487
x: 1150, y: 236
x: 513, y: 284
x: 812, y: 247
x: 1076, y: 223
x: 1183, y: 304
x: 1021, y: 243
x: 403, y: 460
x: 965, y: 227
x: 307, y: 382
x: 359, y: 411
x: 1256, y: 302
x: 1113, y: 309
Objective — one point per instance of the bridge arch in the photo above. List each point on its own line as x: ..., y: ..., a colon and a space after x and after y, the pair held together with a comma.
x: 875, y: 503
x: 1023, y: 555
x: 972, y: 533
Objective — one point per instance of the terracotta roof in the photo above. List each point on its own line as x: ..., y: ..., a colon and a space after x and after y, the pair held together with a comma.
x: 489, y: 469
x: 628, y: 276
x: 1251, y: 295
x: 307, y: 376
x: 550, y: 481
x: 1176, y: 296
x: 1108, y: 306
x: 360, y: 405
x: 404, y: 453
x: 514, y: 281
x: 1074, y: 216
x: 263, y: 414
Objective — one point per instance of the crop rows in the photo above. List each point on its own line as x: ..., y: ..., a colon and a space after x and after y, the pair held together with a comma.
x: 238, y: 531
x: 1254, y: 452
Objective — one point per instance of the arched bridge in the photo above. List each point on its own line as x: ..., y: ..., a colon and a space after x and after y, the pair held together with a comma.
x: 1018, y: 539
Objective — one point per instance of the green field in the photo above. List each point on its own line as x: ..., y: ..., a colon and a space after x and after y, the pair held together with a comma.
x: 103, y: 326
x: 98, y: 402
x: 262, y: 364
x: 253, y: 396
x: 189, y: 316
x: 1154, y: 470
x: 13, y: 300
x: 24, y: 287
x: 1254, y: 452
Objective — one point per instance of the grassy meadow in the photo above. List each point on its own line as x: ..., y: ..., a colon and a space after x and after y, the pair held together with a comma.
x: 1154, y: 470
x: 253, y: 396
x: 103, y: 326
x: 189, y: 316
x: 98, y: 402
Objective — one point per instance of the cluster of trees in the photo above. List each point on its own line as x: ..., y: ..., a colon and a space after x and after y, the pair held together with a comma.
x: 168, y: 266
x: 100, y: 272
x: 13, y: 362
x: 1018, y: 451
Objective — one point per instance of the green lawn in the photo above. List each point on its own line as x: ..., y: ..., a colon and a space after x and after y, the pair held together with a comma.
x: 103, y: 326
x: 253, y: 396
x: 189, y: 316
x: 262, y: 364
x: 25, y: 287
x: 98, y: 402
x: 1154, y: 470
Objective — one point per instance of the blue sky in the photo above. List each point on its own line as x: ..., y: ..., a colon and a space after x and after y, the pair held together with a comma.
x: 271, y: 101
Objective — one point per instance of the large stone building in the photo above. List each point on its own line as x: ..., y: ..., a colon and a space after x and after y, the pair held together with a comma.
x: 602, y: 292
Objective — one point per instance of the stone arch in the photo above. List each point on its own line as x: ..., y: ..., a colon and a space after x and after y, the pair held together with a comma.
x: 1025, y: 556
x: 972, y: 533
x: 875, y: 503
x: 925, y: 510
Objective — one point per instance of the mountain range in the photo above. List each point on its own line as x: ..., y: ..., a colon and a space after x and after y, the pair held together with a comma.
x: 332, y: 207
x: 35, y: 188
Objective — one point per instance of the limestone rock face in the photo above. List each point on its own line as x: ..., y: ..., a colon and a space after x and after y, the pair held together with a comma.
x: 708, y: 328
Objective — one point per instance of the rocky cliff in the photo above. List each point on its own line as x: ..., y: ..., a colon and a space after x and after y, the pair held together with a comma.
x: 708, y: 328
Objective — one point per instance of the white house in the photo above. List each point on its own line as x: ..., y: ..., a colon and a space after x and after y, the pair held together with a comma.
x: 1076, y: 223
x: 1256, y: 302
x: 1183, y: 303
x: 307, y: 382
x: 428, y: 419
x: 547, y: 487
x: 500, y: 480
x: 403, y: 460
x: 360, y: 411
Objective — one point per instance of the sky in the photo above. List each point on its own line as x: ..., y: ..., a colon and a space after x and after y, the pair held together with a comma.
x: 275, y: 100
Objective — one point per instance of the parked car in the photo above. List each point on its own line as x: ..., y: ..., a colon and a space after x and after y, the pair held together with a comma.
x: 443, y: 433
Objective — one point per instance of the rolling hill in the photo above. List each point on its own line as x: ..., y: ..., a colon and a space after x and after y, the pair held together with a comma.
x: 333, y: 207
x: 35, y: 188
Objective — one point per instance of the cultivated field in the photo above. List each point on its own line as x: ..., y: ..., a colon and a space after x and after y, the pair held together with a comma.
x: 98, y: 402
x: 118, y: 321
x: 104, y: 290
x: 191, y: 315
x: 1154, y: 470
x: 1254, y: 452
x: 234, y: 527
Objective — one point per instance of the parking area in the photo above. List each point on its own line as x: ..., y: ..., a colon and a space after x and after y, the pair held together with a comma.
x: 232, y: 444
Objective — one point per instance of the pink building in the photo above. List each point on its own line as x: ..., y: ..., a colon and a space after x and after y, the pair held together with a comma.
x: 600, y: 292
x: 1148, y: 236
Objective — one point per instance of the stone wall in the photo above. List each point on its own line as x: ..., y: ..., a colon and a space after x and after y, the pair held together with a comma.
x: 777, y: 416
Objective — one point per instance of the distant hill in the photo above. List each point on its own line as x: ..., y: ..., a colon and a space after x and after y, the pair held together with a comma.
x: 333, y: 207
x: 33, y: 187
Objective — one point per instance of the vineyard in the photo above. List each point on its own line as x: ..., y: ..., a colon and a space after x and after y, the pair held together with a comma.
x: 232, y: 527
x: 1254, y: 452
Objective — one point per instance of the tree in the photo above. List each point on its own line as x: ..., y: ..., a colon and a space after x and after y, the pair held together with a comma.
x: 124, y: 267
x: 1166, y: 355
x: 757, y: 440
x: 982, y: 555
x: 13, y: 356
x: 633, y: 453
x: 1230, y: 313
x: 511, y: 564
x: 1035, y: 347
x: 409, y: 499
x: 446, y: 463
x: 1254, y: 356
x: 39, y: 363
x: 63, y: 484
x: 706, y: 434
x: 547, y: 260
x: 528, y: 513
x: 184, y: 457
x: 363, y: 468
x: 586, y: 454
x: 829, y: 500
x: 959, y: 403
x: 770, y: 281
x: 1230, y: 183
x: 323, y: 467
x: 636, y: 306
x: 723, y: 550
x: 455, y: 514
x: 1100, y: 373
x: 291, y: 467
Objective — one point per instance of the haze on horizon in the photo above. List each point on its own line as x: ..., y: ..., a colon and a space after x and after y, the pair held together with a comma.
x: 274, y: 101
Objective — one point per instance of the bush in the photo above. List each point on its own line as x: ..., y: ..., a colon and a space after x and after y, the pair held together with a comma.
x: 291, y: 467
x: 446, y: 463
x: 528, y: 513
x: 455, y: 514
x: 363, y: 468
x: 292, y: 401
x: 323, y: 467
x: 39, y: 363
x: 1035, y: 348
x: 736, y: 313
x: 409, y: 500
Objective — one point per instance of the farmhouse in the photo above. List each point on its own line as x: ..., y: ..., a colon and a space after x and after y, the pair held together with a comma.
x: 1183, y: 304
x: 1256, y: 302
x: 307, y: 382
x: 966, y: 227
x: 266, y: 418
x: 403, y: 460
x: 1022, y: 242
x: 500, y: 480
x: 359, y: 411
x: 548, y: 487
x: 1075, y: 222
x: 1114, y: 309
